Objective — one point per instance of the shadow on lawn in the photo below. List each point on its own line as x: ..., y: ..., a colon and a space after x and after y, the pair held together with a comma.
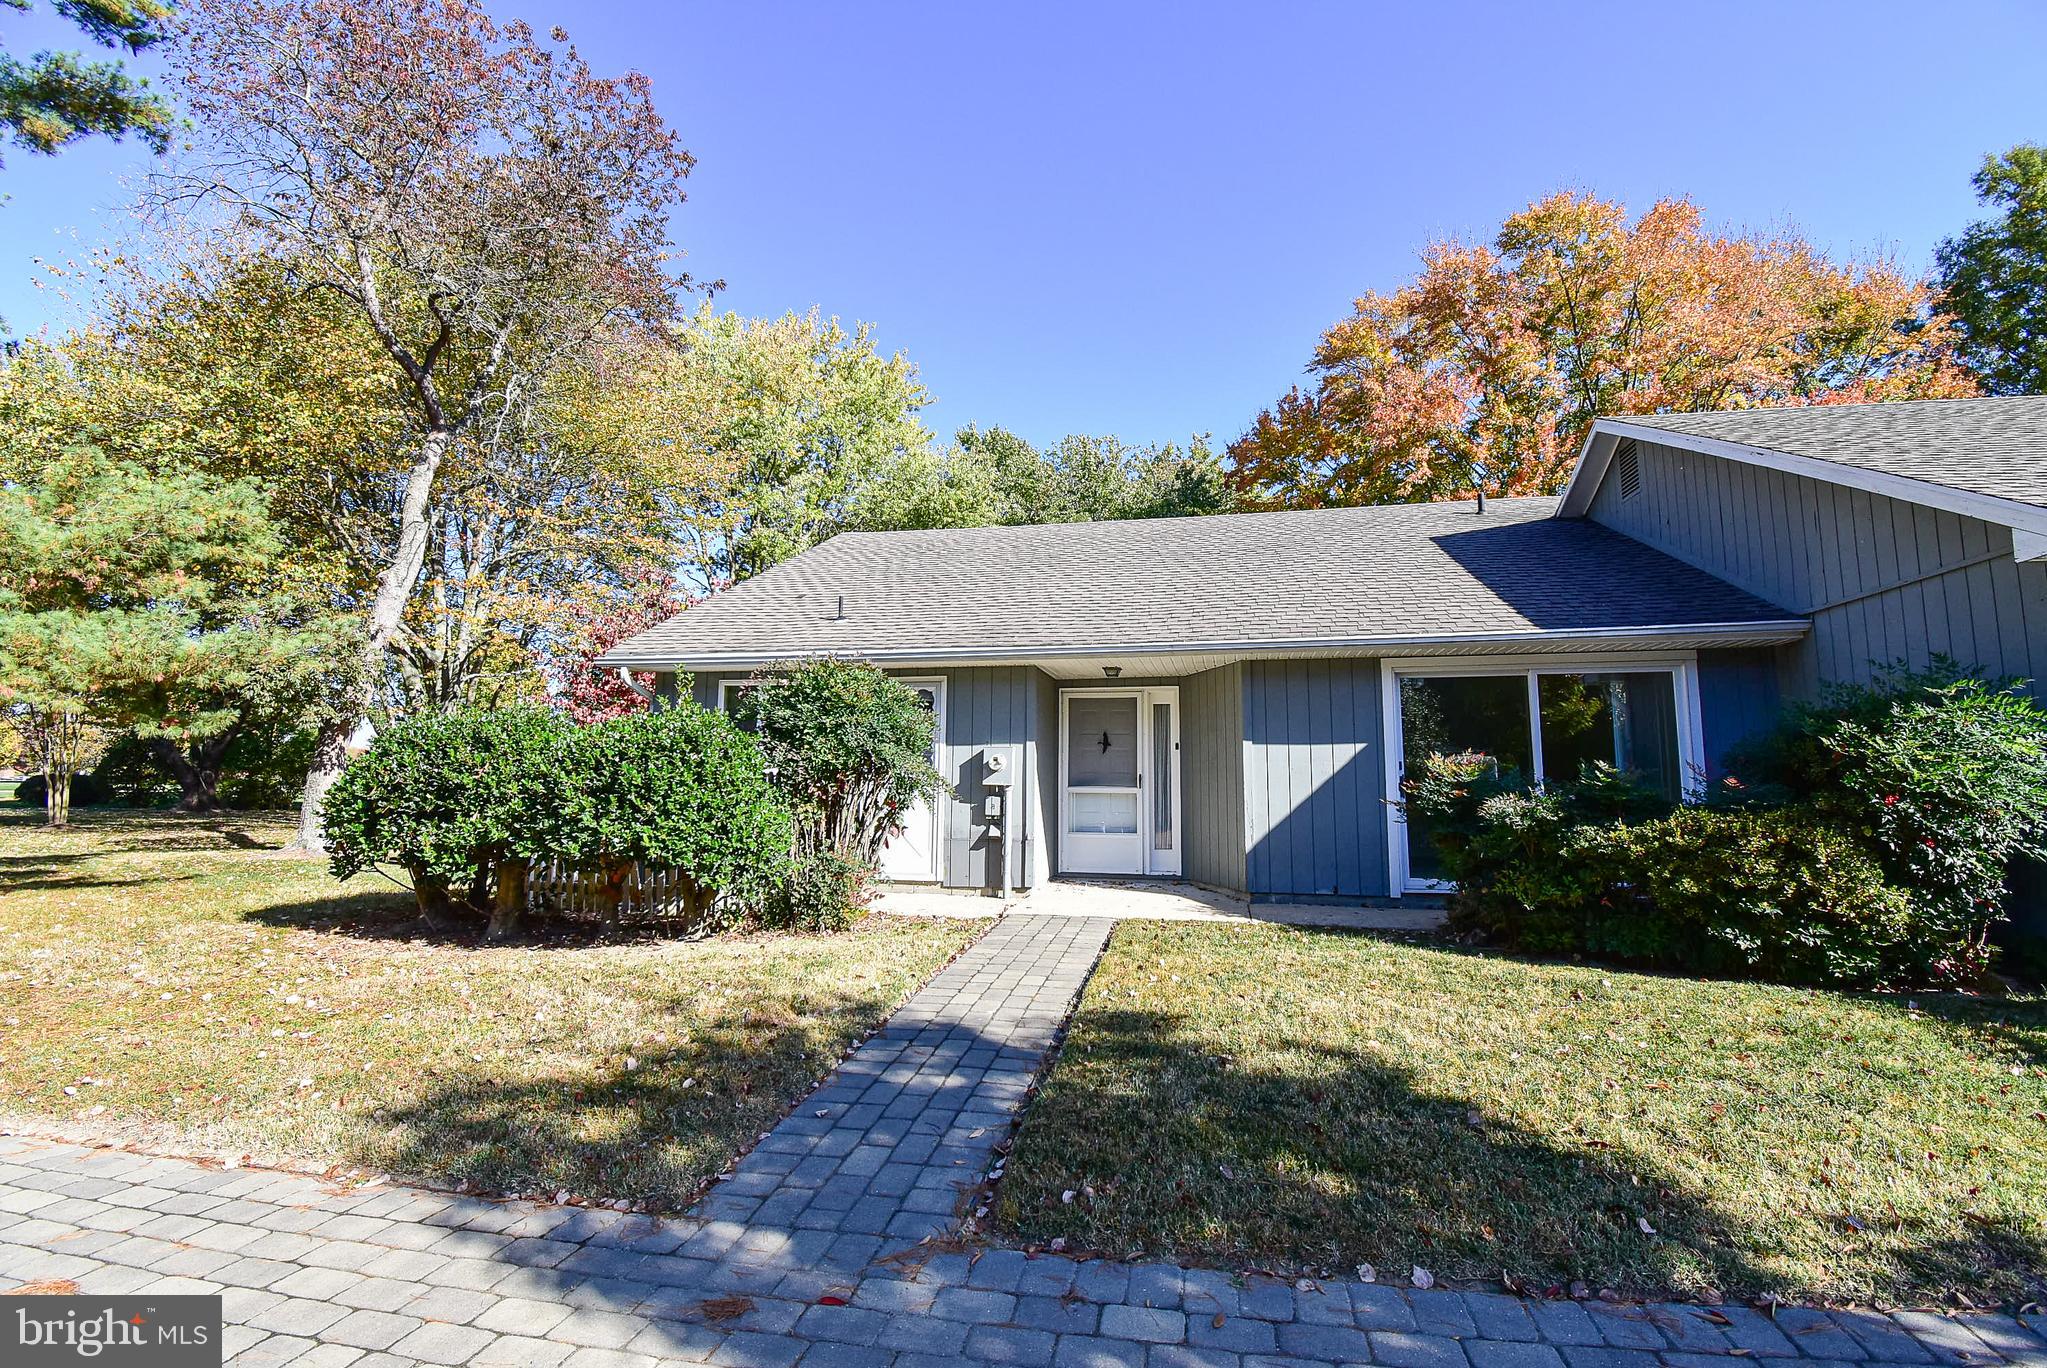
x: 27, y: 873
x: 386, y: 911
x: 655, y: 1133
x: 1347, y: 1161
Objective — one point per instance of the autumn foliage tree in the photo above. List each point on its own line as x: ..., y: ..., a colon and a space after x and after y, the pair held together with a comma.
x: 478, y: 198
x: 1487, y: 370
x: 648, y: 595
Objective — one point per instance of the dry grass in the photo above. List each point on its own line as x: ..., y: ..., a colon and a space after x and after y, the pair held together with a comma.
x: 177, y: 979
x: 1265, y: 1095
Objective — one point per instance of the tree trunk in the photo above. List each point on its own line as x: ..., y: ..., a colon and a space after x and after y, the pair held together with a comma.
x: 63, y: 732
x: 430, y: 891
x: 197, y: 772
x: 510, y: 902
x: 57, y: 797
x: 387, y: 608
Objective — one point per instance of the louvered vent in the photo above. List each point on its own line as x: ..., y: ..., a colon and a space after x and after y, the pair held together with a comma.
x: 1628, y: 468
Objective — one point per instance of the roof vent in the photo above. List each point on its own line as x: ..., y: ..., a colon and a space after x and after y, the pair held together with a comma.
x: 1627, y: 468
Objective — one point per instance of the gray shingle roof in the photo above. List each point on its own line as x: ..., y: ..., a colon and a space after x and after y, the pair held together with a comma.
x: 1334, y: 576
x: 1996, y: 447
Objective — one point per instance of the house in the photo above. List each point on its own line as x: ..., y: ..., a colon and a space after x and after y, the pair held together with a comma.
x: 1232, y: 700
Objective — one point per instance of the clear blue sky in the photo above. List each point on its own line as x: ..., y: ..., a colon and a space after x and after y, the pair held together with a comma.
x: 1136, y: 218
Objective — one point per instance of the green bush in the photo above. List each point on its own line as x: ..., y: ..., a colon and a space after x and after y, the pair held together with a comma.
x: 1775, y: 893
x: 824, y: 891
x: 133, y: 777
x: 849, y: 745
x: 1943, y: 779
x: 1864, y: 842
x: 86, y: 791
x: 450, y: 797
x: 267, y: 768
x: 681, y: 789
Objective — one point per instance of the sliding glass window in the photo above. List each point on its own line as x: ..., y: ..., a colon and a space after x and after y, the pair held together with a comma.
x: 1540, y: 723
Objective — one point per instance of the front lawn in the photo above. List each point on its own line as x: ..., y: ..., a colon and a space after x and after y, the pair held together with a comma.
x: 1267, y: 1096
x: 177, y: 980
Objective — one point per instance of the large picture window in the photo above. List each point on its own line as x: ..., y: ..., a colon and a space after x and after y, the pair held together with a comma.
x: 1545, y: 722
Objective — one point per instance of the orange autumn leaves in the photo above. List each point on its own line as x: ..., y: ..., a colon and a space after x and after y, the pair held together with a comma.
x: 1487, y: 370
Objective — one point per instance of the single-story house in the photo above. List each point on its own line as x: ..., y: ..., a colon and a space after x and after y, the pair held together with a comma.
x: 1232, y: 700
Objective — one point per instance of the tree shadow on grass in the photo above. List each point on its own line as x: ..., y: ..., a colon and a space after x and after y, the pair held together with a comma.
x: 1341, y: 1156
x: 653, y: 1133
x: 386, y: 911
x: 28, y: 873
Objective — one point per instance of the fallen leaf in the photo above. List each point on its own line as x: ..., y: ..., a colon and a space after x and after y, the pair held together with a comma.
x: 725, y: 1308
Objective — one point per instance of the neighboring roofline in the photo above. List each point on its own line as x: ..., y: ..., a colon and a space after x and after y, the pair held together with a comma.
x: 1767, y: 631
x: 2027, y: 521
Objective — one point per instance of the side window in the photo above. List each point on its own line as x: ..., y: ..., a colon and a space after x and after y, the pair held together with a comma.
x: 736, y: 701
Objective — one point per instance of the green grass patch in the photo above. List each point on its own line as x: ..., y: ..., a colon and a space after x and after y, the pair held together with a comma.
x: 1269, y: 1096
x: 177, y: 980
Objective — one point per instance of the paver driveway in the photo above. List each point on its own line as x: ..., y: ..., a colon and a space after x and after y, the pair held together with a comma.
x: 811, y: 1252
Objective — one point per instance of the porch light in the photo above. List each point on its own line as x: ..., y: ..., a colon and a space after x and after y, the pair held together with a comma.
x: 1112, y: 671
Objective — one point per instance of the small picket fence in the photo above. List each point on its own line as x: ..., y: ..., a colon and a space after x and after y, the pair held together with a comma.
x: 648, y: 894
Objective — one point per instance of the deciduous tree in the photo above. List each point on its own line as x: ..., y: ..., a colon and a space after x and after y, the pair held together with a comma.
x: 1487, y: 370
x: 483, y: 201
x: 1993, y: 278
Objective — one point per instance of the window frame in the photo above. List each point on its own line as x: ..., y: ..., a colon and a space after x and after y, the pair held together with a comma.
x: 1681, y: 666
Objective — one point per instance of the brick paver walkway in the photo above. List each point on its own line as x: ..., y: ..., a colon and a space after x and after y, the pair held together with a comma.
x: 808, y: 1253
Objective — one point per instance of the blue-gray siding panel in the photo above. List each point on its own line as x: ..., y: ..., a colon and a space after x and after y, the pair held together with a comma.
x: 1882, y: 579
x: 1212, y: 776
x: 1737, y: 700
x: 985, y: 707
x: 1314, y: 779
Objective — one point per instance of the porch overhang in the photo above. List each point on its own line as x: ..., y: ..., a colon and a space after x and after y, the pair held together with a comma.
x: 1169, y: 658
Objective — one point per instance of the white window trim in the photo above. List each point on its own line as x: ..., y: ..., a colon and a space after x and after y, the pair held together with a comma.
x: 1683, y: 666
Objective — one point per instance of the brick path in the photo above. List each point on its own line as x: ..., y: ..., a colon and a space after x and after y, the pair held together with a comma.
x: 384, y: 1277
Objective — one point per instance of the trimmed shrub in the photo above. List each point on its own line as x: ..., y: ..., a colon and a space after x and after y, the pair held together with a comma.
x: 1943, y: 779
x: 86, y: 791
x: 452, y: 798
x: 824, y: 891
x: 851, y: 748
x: 681, y: 789
x: 1865, y: 842
x: 1775, y: 893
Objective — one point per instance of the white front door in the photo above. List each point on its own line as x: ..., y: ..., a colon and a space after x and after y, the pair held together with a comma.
x: 1119, y: 788
x: 912, y: 854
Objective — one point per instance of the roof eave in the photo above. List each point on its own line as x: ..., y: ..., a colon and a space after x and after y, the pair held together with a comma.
x: 1759, y: 632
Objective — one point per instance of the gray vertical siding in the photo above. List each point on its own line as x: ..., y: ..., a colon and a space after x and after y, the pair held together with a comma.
x: 1045, y: 771
x: 1314, y: 779
x: 985, y: 707
x: 1738, y: 699
x: 1882, y: 580
x: 1212, y: 777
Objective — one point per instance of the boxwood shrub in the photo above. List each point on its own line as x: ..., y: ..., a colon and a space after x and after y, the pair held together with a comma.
x: 681, y: 789
x: 1865, y: 841
x: 449, y: 797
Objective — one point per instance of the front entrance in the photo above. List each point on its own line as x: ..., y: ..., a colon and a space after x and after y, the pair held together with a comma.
x: 911, y: 854
x: 1119, y: 786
